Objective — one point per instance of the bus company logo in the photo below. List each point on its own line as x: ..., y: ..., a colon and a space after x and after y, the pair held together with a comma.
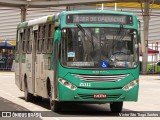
x: 21, y: 114
x: 6, y: 114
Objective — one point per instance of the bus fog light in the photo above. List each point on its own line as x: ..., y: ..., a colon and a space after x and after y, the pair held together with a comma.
x: 67, y: 84
x: 130, y: 85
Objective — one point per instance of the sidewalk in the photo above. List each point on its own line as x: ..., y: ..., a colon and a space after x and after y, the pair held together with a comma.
x: 7, y: 73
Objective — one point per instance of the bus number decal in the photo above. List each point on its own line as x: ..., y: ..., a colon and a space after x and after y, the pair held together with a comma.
x: 85, y: 84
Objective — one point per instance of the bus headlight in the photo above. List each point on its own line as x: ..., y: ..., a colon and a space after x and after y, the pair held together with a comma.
x: 67, y: 84
x: 130, y: 85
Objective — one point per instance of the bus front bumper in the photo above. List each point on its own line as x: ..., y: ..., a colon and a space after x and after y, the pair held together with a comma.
x: 87, y: 95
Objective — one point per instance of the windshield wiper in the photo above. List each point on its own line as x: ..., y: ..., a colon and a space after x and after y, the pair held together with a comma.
x: 86, y: 34
x: 81, y: 28
x: 118, y: 37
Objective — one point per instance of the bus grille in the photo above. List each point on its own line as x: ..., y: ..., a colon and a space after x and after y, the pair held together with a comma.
x: 102, y: 78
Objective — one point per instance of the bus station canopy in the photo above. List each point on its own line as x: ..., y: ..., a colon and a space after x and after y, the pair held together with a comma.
x: 6, y: 45
x: 56, y: 3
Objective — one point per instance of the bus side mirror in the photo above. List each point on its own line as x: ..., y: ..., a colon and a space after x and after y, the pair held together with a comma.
x: 140, y: 49
x: 57, y: 35
x: 139, y: 31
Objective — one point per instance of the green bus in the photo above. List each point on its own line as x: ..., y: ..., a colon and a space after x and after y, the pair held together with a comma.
x: 84, y: 56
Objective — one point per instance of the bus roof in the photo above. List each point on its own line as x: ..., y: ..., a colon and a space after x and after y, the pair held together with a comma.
x: 54, y: 17
x: 44, y: 19
x: 97, y: 11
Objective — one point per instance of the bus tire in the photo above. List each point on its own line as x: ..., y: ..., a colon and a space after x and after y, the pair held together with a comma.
x: 116, y: 107
x: 55, y: 106
x: 28, y: 96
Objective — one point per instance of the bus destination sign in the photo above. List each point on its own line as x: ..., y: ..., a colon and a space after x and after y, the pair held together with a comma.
x: 100, y: 19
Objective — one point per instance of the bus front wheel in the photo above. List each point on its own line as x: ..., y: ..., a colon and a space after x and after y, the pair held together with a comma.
x: 116, y: 107
x: 55, y: 106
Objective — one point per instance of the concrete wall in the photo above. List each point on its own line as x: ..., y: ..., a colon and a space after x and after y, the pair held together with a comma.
x: 10, y: 17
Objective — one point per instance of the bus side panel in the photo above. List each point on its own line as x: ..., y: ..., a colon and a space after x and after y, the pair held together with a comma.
x: 39, y: 71
x: 28, y: 72
x: 44, y: 90
x: 23, y: 70
x: 45, y: 73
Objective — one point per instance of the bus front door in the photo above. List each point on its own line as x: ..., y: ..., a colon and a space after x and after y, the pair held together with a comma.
x: 37, y: 65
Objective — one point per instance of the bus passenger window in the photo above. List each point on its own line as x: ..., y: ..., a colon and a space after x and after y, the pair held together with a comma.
x: 50, y: 38
x: 30, y: 41
x: 44, y: 28
x: 23, y: 40
x: 39, y: 39
x: 27, y: 40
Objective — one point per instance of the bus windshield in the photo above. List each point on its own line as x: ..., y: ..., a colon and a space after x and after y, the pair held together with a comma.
x: 84, y: 47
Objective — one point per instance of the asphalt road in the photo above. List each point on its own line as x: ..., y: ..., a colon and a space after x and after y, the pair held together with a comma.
x: 11, y: 110
x: 11, y: 98
x: 6, y: 105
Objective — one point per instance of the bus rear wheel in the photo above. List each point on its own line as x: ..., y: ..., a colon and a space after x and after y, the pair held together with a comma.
x: 116, y: 107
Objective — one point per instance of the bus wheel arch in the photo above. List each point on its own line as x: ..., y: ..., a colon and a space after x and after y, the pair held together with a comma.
x: 24, y: 81
x: 55, y: 106
x: 28, y: 96
x: 48, y: 86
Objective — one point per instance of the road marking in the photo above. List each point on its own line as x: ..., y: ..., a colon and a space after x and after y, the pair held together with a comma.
x: 36, y: 108
x: 56, y: 119
x: 7, y: 73
x: 22, y: 101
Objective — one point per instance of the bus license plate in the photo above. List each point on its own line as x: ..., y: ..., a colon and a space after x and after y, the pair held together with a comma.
x: 100, y: 96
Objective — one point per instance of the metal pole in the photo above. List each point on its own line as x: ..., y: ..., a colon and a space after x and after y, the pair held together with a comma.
x: 102, y: 6
x: 145, y: 28
x: 23, y: 14
x: 115, y: 6
x: 68, y: 8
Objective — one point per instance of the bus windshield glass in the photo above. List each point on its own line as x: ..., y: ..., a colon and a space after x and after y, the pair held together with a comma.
x: 111, y: 48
